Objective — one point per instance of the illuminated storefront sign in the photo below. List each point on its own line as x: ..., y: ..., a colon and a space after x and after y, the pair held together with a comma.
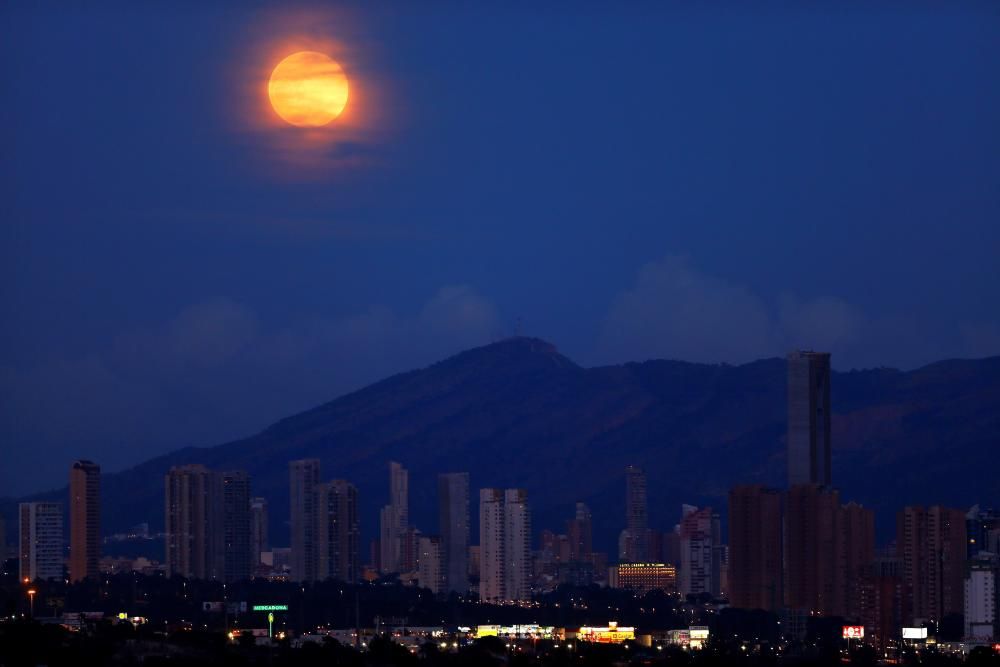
x: 914, y: 633
x: 854, y: 632
x: 270, y: 607
x: 612, y: 634
x: 530, y: 631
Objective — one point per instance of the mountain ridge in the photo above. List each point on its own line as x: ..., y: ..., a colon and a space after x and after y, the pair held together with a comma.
x: 518, y: 413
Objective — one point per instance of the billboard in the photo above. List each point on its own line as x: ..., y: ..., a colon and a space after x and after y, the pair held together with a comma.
x: 854, y: 632
x: 914, y: 633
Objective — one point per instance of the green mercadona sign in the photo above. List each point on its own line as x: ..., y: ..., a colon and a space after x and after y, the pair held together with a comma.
x: 270, y: 607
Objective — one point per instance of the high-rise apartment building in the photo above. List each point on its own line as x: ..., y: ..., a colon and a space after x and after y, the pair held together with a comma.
x: 194, y: 523
x: 259, y: 539
x: 982, y: 597
x: 394, y: 518
x: 40, y: 533
x: 505, y: 545
x: 932, y: 544
x: 238, y: 554
x: 699, y: 566
x: 84, y: 520
x: 517, y: 543
x: 431, y: 569
x: 338, y: 531
x: 634, y: 544
x: 885, y: 600
x: 755, y: 548
x: 492, y: 548
x: 811, y: 548
x: 855, y: 554
x: 304, y: 475
x: 453, y: 522
x: 808, y: 418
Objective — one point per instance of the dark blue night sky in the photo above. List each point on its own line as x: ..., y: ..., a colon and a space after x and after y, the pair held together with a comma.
x: 702, y: 183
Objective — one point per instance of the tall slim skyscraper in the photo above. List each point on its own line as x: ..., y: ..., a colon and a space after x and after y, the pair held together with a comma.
x: 338, y: 531
x: 755, y: 550
x: 194, y: 512
x: 40, y: 533
x: 580, y: 532
x: 236, y: 526
x: 517, y: 545
x: 808, y: 418
x: 635, y: 543
x: 453, y: 522
x: 394, y: 518
x: 698, y: 534
x: 259, y: 541
x: 84, y: 520
x: 492, y: 554
x: 303, y: 478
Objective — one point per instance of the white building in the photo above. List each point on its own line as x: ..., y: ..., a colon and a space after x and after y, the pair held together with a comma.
x: 430, y: 571
x: 517, y: 573
x: 41, y: 541
x: 491, y: 545
x: 505, y: 545
x: 981, y: 600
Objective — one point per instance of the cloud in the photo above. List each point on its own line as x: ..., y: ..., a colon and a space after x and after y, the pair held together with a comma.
x: 213, y: 372
x: 678, y: 312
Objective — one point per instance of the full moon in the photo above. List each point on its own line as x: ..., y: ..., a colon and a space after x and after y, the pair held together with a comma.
x: 308, y: 89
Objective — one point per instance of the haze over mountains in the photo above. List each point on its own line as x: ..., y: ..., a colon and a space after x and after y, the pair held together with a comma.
x: 517, y: 413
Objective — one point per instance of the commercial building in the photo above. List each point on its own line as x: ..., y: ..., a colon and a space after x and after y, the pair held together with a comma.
x: 40, y: 533
x: 84, y: 520
x: 808, y: 418
x: 453, y: 522
x: 304, y: 476
x: 338, y: 532
x: 643, y: 577
x: 755, y: 548
x: 194, y: 523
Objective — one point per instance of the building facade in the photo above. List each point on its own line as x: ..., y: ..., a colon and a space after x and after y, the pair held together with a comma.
x: 194, y: 523
x: 932, y: 544
x: 453, y: 523
x: 259, y: 530
x: 755, y: 548
x: 84, y: 520
x: 304, y: 476
x: 338, y: 531
x: 634, y: 542
x: 40, y: 541
x: 699, y: 564
x: 238, y: 553
x: 808, y: 418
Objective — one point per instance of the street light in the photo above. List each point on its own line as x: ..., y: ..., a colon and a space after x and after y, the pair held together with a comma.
x: 31, y: 597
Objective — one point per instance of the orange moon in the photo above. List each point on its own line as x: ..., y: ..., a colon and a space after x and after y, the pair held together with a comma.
x: 308, y: 89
